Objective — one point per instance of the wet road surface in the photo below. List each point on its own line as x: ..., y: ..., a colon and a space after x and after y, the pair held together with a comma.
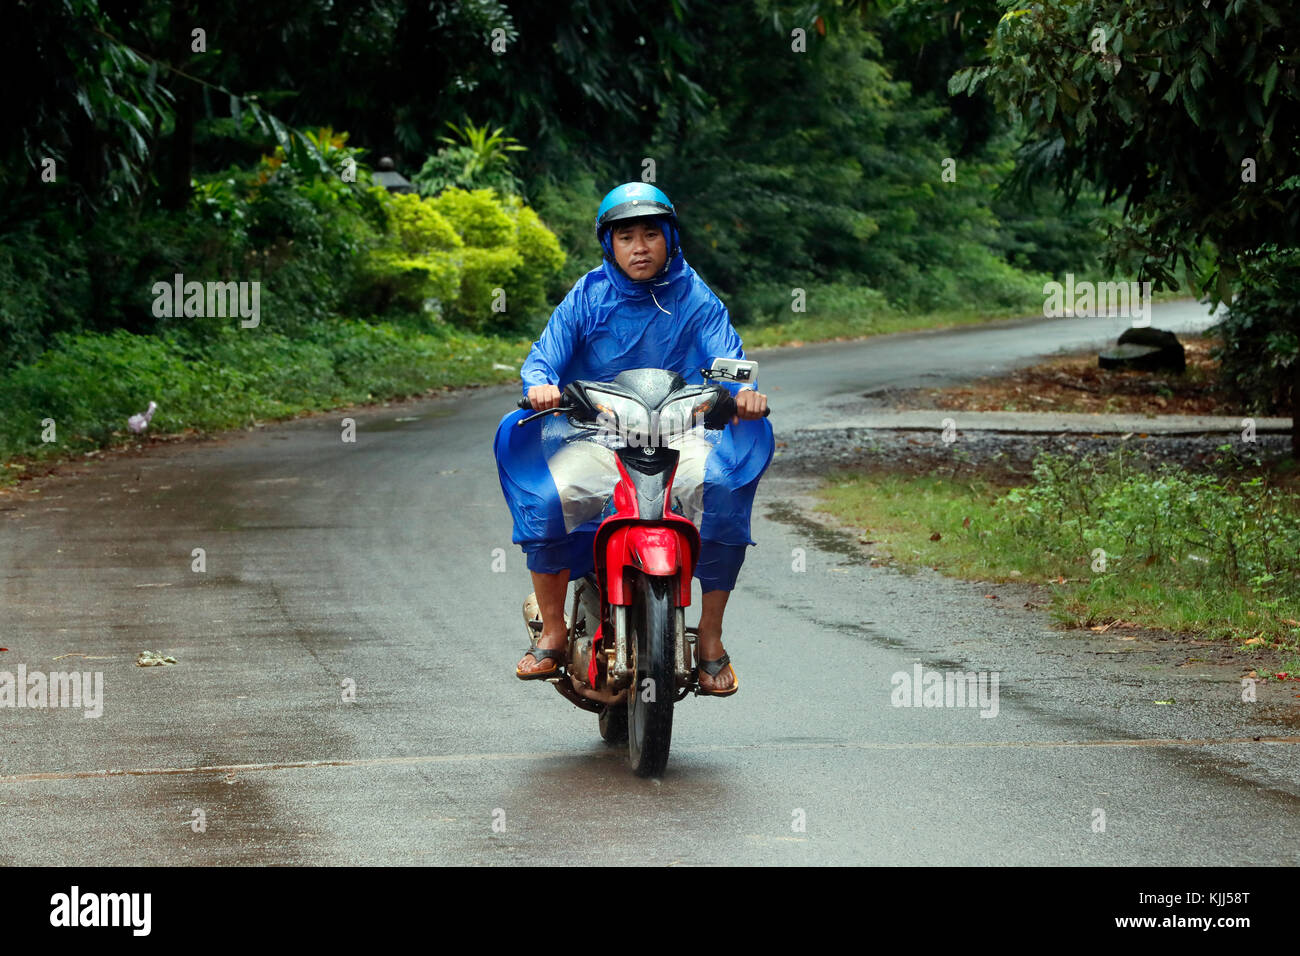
x: 333, y: 566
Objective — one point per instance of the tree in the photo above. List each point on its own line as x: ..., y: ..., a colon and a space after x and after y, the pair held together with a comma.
x: 1187, y: 110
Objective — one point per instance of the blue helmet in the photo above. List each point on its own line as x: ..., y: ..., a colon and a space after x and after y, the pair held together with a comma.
x: 633, y: 201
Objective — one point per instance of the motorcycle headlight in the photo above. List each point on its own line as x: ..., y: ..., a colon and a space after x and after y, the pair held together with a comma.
x: 621, y: 416
x: 681, y: 416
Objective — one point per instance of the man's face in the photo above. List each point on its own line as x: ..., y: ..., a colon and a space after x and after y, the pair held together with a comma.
x: 640, y: 248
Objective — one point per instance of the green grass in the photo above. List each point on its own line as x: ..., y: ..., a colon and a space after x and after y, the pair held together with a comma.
x: 90, y: 384
x: 901, y: 514
x: 810, y: 329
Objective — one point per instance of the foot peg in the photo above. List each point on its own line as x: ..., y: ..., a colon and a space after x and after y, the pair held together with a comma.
x: 533, y: 616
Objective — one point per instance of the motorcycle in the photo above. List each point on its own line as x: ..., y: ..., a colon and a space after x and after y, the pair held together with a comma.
x: 629, y: 653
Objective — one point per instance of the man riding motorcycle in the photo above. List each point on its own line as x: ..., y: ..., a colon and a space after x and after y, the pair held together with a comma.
x: 643, y: 307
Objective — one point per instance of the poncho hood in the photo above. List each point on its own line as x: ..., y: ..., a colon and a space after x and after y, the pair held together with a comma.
x: 675, y: 272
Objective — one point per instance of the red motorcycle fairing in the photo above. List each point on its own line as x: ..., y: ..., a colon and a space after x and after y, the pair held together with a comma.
x: 669, y: 546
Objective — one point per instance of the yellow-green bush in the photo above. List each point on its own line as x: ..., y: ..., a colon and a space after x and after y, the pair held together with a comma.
x: 419, y: 226
x: 477, y: 216
x: 506, y: 248
x: 421, y: 259
x: 485, y: 260
x: 541, y: 253
x: 486, y: 271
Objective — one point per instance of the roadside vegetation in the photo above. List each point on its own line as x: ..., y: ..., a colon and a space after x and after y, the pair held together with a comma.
x: 1216, y: 556
x: 841, y: 167
x: 142, y: 157
x: 89, y: 384
x: 362, y: 296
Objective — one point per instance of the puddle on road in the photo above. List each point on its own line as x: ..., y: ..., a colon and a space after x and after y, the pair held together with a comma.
x: 824, y: 538
x: 235, y: 807
x: 402, y: 421
x: 859, y: 630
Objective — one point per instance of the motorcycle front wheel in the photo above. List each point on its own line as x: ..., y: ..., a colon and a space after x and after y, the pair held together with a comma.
x: 650, y: 699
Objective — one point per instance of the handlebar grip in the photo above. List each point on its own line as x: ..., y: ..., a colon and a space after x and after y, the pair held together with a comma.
x: 526, y: 405
x: 766, y: 411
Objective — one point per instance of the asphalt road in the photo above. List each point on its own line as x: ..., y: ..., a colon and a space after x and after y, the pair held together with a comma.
x: 825, y: 381
x: 370, y: 565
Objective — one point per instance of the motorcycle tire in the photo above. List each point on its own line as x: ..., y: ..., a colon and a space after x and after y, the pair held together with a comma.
x: 654, y: 689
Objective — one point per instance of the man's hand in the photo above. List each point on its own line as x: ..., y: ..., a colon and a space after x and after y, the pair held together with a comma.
x: 749, y: 404
x: 542, y: 397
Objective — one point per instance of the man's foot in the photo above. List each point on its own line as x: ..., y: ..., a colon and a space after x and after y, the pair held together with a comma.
x: 530, y: 664
x: 708, y: 647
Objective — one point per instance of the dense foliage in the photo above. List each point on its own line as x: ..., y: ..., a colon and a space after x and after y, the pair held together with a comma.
x: 1190, y: 113
x: 822, y: 170
x: 1210, y: 526
x: 797, y: 159
x: 1260, y: 352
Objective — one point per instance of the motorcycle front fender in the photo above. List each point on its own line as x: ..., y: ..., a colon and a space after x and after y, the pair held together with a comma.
x: 668, y: 550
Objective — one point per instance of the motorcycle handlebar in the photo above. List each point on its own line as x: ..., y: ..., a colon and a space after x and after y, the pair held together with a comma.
x: 766, y: 411
x: 526, y: 405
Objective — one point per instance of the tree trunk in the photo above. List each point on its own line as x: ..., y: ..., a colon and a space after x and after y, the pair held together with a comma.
x: 181, y: 166
x: 1295, y: 409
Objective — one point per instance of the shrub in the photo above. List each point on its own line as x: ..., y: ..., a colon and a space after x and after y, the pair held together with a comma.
x: 419, y: 228
x: 477, y: 216
x: 478, y: 158
x: 485, y: 272
x: 453, y: 253
x: 506, y: 248
x: 421, y: 260
x: 1261, y: 335
x: 541, y: 255
x: 1243, y: 531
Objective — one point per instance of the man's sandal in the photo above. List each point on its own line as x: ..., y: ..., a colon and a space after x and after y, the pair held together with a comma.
x: 713, y: 669
x: 542, y: 654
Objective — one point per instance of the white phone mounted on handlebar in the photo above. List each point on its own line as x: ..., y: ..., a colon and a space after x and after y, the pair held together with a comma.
x: 733, y: 370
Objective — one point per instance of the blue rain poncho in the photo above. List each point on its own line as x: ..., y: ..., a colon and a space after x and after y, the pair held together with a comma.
x: 559, y: 485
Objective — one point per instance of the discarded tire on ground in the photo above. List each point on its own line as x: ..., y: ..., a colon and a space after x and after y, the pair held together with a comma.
x: 1146, y: 349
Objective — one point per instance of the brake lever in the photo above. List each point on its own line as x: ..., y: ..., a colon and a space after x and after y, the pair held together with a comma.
x: 524, y: 403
